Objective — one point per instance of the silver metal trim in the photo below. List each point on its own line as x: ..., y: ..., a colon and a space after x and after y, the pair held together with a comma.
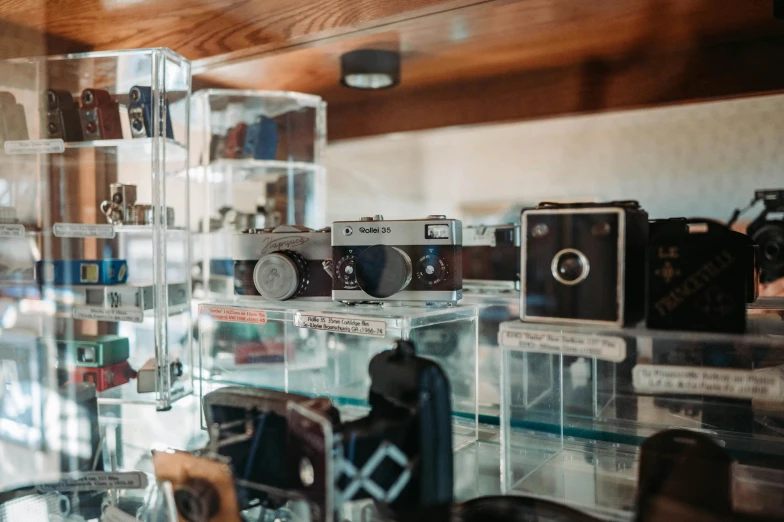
x: 583, y: 261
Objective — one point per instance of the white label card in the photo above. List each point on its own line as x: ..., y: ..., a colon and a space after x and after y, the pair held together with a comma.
x: 115, y: 514
x: 605, y: 347
x: 98, y: 313
x: 98, y: 480
x: 80, y: 230
x: 12, y: 231
x: 232, y: 314
x: 341, y: 324
x: 56, y: 146
x: 717, y: 382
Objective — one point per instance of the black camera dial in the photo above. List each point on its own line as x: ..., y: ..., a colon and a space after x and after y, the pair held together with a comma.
x: 431, y: 269
x: 770, y: 239
x: 281, y: 275
x: 570, y: 266
x: 346, y: 272
x: 382, y: 271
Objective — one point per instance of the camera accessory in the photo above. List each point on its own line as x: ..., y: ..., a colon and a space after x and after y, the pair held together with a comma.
x: 62, y: 116
x: 105, y: 377
x: 100, y: 116
x: 145, y: 377
x: 235, y: 141
x: 82, y: 272
x: 121, y: 208
x: 416, y: 260
x: 94, y: 350
x: 491, y: 257
x: 282, y: 263
x: 583, y: 263
x: 767, y: 231
x: 140, y: 114
x: 13, y: 125
x: 261, y: 139
x: 699, y: 276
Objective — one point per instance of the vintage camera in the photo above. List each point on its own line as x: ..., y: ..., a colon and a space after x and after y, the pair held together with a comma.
x: 400, y: 454
x: 13, y: 125
x: 235, y: 141
x: 416, y: 260
x: 100, y: 116
x: 699, y: 276
x: 217, y: 147
x: 147, y: 375
x: 282, y: 263
x: 82, y: 272
x: 261, y: 139
x: 768, y: 233
x: 583, y: 263
x: 491, y: 257
x: 94, y: 351
x: 122, y: 209
x: 62, y: 116
x: 140, y: 114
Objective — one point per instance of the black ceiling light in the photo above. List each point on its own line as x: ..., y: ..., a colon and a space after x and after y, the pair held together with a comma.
x: 370, y: 69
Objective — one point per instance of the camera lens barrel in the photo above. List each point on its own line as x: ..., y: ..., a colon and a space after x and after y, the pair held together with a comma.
x: 280, y: 275
x: 570, y: 266
x: 382, y: 271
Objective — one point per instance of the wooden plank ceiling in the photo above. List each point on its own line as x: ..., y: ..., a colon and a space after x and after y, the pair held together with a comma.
x: 464, y: 61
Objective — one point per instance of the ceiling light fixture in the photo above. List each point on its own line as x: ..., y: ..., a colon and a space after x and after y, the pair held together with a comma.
x: 370, y: 69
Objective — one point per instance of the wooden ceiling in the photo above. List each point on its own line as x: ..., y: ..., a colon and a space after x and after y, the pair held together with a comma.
x: 464, y: 61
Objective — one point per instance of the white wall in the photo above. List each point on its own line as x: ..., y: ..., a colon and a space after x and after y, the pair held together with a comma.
x: 689, y: 160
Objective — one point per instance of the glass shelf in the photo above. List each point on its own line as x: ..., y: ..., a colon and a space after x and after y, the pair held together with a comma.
x: 176, y: 152
x: 224, y: 170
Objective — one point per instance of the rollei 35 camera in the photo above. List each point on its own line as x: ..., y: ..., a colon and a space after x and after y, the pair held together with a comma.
x: 13, y: 125
x: 583, y: 263
x: 100, y: 116
x: 416, y: 260
x: 400, y: 455
x: 491, y: 257
x: 282, y: 263
x: 141, y: 114
x: 699, y: 276
x: 62, y: 116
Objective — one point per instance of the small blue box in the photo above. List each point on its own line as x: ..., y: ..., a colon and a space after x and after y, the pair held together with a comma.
x: 222, y: 267
x: 261, y: 139
x: 82, y: 272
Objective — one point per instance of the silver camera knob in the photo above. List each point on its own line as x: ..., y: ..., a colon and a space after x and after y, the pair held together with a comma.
x: 281, y: 275
x: 382, y: 271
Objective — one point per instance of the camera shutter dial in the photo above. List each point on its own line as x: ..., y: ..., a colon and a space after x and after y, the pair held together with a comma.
x: 431, y: 269
x: 570, y: 266
x: 346, y: 272
x: 281, y: 275
x: 382, y: 271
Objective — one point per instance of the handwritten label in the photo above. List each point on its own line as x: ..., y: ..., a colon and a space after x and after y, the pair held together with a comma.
x: 98, y: 313
x: 231, y: 314
x: 605, y: 347
x: 79, y: 230
x: 12, y: 231
x: 717, y: 382
x: 56, y: 146
x: 341, y: 324
x: 96, y: 481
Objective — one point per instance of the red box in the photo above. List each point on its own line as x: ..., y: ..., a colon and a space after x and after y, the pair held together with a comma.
x: 260, y: 352
x: 105, y: 377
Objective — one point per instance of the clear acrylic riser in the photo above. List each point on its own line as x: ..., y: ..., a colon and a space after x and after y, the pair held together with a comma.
x: 324, y: 349
x: 579, y: 401
x: 57, y: 177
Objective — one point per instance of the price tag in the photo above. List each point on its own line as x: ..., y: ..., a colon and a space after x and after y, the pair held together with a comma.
x: 717, y: 382
x: 80, y: 230
x: 96, y: 481
x: 341, y: 324
x: 98, y: 313
x: 56, y: 146
x: 604, y: 347
x: 231, y: 314
x: 12, y: 231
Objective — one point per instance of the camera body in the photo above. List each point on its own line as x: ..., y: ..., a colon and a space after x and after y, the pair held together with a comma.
x: 100, y: 116
x: 121, y: 207
x: 699, y: 276
x: 13, y: 125
x: 140, y: 114
x: 769, y: 235
x: 82, y: 272
x: 261, y: 139
x: 491, y: 257
x: 62, y: 116
x: 583, y: 263
x: 283, y: 263
x: 94, y: 351
x: 235, y: 141
x: 416, y: 260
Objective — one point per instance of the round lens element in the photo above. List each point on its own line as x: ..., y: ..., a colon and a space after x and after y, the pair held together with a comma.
x: 137, y: 125
x: 570, y: 266
x: 88, y: 97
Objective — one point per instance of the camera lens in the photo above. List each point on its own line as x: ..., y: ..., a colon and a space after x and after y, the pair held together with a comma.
x: 90, y: 127
x: 87, y: 97
x: 52, y: 128
x: 51, y: 100
x: 569, y: 266
x: 135, y: 94
x: 772, y: 251
x: 137, y: 125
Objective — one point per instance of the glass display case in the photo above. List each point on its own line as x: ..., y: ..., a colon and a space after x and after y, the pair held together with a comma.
x: 324, y: 349
x: 257, y: 159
